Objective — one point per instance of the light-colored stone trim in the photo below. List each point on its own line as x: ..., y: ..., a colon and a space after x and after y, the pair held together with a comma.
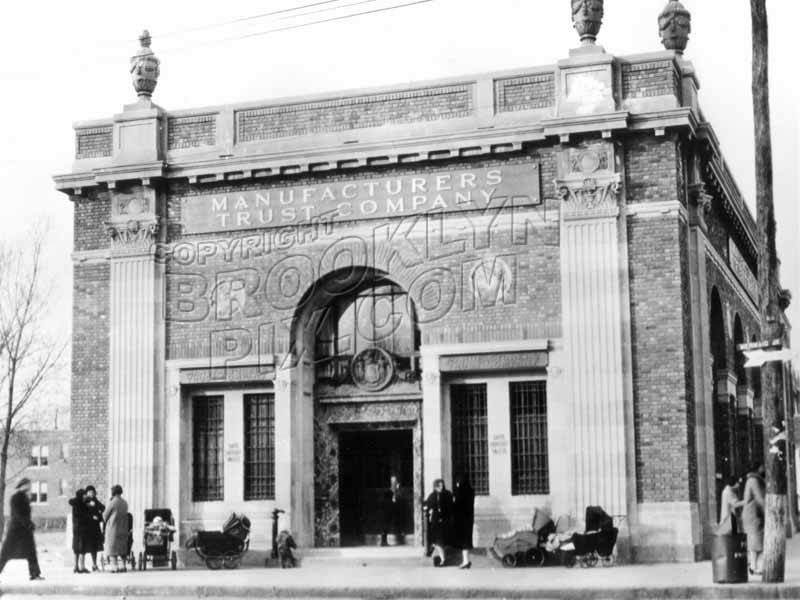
x: 436, y: 350
x: 655, y: 209
x: 91, y: 256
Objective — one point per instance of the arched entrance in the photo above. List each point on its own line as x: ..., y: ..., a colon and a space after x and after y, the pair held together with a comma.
x: 357, y: 342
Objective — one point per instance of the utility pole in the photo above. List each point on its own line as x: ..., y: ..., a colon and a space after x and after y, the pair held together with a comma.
x: 775, y: 506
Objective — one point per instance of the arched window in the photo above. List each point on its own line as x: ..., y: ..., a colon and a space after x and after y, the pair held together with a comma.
x: 381, y: 317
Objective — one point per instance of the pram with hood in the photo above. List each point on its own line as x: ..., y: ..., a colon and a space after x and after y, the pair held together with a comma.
x: 223, y: 548
x: 159, y: 533
x: 524, y: 546
x: 595, y: 545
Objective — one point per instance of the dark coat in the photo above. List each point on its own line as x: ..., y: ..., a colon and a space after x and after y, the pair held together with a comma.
x: 19, y: 542
x: 81, y: 524
x: 463, y: 516
x: 440, y: 517
x: 95, y: 537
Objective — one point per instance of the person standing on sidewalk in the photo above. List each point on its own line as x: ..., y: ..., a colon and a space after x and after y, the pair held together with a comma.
x: 753, y: 517
x: 95, y: 537
x: 463, y: 518
x: 80, y: 530
x: 116, y: 520
x: 729, y: 500
x: 439, y: 506
x: 19, y: 542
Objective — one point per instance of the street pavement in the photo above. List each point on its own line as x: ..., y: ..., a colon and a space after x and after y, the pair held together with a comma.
x: 388, y: 573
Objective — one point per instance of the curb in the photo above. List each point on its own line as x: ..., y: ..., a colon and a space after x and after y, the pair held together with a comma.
x: 741, y: 591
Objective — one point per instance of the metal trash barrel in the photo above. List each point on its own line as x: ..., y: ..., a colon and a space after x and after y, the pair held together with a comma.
x: 729, y: 558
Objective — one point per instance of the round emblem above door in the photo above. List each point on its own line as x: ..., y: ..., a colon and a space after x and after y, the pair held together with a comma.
x: 372, y: 369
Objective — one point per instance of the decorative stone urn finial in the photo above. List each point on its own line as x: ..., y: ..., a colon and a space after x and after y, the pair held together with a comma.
x: 144, y: 68
x: 674, y: 25
x: 587, y: 16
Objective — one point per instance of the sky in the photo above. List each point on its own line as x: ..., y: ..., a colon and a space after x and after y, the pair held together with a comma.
x: 68, y: 61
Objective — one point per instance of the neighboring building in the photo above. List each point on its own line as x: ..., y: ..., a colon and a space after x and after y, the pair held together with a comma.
x: 42, y: 457
x: 535, y: 277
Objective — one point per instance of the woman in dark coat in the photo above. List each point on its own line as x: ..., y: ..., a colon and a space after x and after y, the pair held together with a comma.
x: 95, y: 537
x: 463, y: 518
x: 19, y: 542
x: 80, y: 530
x: 439, y: 506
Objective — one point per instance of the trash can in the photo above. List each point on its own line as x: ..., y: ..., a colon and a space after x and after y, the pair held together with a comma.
x: 729, y: 555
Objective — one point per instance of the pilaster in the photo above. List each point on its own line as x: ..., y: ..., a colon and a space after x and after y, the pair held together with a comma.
x: 592, y: 320
x: 433, y: 446
x: 136, y: 403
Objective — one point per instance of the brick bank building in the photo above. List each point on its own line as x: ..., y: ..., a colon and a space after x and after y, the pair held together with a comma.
x: 535, y: 277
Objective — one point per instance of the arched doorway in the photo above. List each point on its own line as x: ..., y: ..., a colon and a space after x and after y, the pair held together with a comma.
x: 358, y: 341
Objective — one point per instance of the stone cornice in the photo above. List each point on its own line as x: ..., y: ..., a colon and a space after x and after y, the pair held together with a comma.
x: 485, y: 142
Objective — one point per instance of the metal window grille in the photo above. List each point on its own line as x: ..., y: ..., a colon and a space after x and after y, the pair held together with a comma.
x: 208, y: 467
x: 529, y: 468
x: 259, y: 447
x: 470, y: 434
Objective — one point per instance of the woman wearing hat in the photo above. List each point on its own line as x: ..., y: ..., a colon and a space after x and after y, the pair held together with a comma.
x: 116, y: 519
x: 19, y: 542
x: 94, y: 537
x: 80, y: 530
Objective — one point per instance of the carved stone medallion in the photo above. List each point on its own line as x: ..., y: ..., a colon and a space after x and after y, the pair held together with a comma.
x: 372, y: 369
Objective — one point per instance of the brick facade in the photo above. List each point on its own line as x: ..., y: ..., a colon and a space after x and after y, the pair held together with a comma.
x: 90, y: 364
x: 254, y: 289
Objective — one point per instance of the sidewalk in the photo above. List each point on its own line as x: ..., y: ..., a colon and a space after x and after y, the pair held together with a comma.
x: 397, y: 573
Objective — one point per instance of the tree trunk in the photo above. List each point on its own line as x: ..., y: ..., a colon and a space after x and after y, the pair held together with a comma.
x: 775, y: 509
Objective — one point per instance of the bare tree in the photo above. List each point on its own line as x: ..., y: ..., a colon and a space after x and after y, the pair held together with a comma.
x: 28, y: 354
x: 775, y: 509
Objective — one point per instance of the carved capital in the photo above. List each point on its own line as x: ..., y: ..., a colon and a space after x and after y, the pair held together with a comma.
x: 587, y: 182
x: 133, y: 234
x: 700, y: 205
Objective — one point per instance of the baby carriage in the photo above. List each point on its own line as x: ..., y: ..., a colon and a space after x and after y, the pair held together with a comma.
x: 596, y: 544
x: 223, y: 548
x: 524, y: 546
x: 159, y: 533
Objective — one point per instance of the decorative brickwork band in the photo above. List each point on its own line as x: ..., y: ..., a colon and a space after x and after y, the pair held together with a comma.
x: 375, y: 110
x: 93, y: 143
x: 191, y: 132
x: 525, y: 93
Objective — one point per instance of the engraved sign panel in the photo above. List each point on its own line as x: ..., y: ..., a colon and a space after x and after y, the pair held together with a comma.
x: 378, y: 198
x: 742, y: 271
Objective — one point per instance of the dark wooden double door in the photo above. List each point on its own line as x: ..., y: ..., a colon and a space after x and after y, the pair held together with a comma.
x: 367, y: 460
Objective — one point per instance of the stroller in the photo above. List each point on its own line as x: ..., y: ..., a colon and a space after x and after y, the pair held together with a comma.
x: 525, y: 546
x: 596, y: 544
x: 223, y: 548
x: 159, y: 533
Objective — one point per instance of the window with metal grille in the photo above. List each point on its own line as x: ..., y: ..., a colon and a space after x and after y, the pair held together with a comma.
x: 259, y: 447
x: 470, y: 434
x: 529, y: 469
x: 208, y: 465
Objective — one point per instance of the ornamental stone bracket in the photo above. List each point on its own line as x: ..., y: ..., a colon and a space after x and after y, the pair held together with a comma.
x: 700, y: 203
x: 587, y: 182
